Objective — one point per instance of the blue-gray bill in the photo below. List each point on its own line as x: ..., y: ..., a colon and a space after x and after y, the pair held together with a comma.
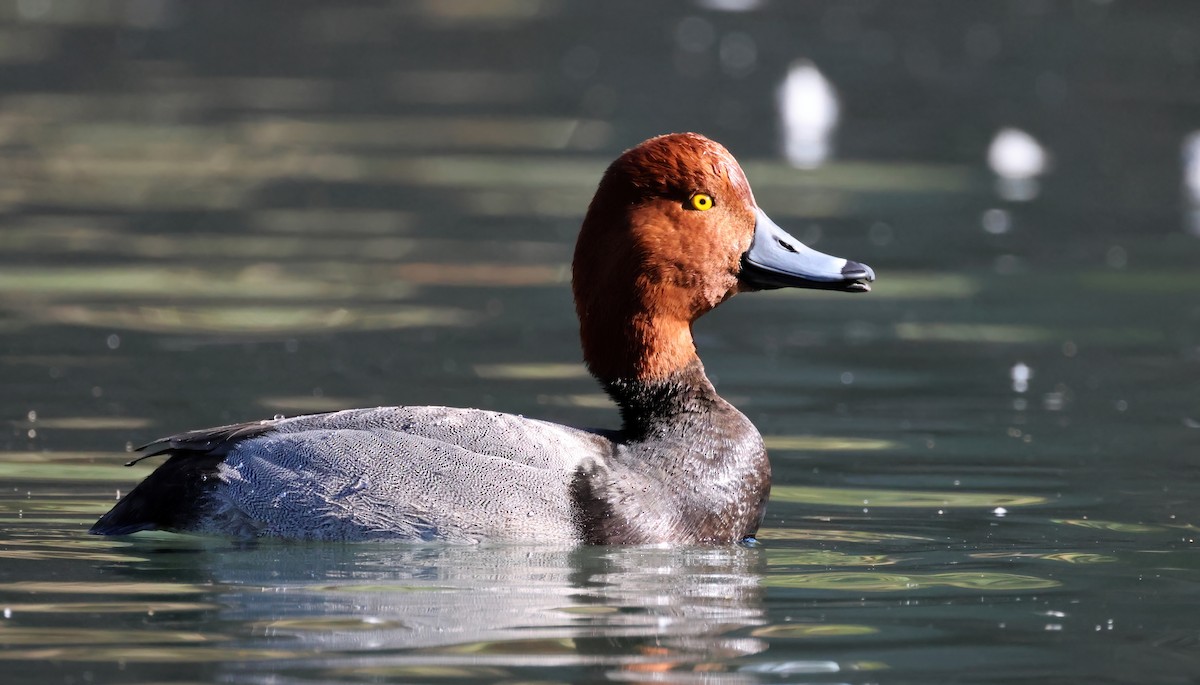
x: 777, y: 260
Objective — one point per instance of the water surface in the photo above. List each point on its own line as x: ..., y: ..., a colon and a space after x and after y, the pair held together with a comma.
x: 984, y: 469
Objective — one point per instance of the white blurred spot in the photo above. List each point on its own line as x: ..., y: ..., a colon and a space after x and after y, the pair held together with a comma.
x: 1190, y: 153
x: 809, y: 111
x: 1016, y: 154
x: 1191, y: 165
x: 1020, y: 374
x: 1017, y: 158
x: 1000, y: 511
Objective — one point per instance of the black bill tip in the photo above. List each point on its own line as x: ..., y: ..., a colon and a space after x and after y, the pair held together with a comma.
x: 858, y: 275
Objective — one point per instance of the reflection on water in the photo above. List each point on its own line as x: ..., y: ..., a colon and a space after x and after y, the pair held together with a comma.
x: 219, y: 211
x: 396, y: 610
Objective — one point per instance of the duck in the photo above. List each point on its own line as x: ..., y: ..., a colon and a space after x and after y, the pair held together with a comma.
x: 672, y: 232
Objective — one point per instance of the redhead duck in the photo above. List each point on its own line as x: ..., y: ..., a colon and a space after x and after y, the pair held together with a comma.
x: 672, y: 232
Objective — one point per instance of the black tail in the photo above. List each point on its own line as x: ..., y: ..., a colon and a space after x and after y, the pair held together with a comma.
x: 174, y: 496
x: 169, y: 498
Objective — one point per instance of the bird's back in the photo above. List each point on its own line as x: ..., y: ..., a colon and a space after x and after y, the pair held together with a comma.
x: 416, y: 473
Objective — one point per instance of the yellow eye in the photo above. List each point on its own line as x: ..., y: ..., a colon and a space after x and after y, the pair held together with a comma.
x: 702, y: 202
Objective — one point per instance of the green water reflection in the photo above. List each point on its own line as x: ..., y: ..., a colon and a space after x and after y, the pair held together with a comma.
x: 862, y: 497
x: 895, y: 582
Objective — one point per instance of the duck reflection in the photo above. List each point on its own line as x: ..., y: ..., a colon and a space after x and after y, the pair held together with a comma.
x: 396, y: 611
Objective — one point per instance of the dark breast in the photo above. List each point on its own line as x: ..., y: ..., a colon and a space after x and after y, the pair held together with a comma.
x: 687, y: 468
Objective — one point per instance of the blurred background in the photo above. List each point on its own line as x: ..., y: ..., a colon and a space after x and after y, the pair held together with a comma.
x: 233, y: 176
x: 221, y: 211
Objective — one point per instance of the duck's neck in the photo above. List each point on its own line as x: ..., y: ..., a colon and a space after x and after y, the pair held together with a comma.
x: 682, y: 401
x: 644, y: 347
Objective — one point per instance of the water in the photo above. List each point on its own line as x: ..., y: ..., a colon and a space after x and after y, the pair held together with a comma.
x: 984, y: 469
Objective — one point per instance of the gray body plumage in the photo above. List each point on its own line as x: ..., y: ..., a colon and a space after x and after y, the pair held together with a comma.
x: 419, y: 473
x: 690, y: 469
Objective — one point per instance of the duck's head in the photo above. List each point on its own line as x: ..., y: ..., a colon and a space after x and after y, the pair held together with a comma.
x: 672, y: 232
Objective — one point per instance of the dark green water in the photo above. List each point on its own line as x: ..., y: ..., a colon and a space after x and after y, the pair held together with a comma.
x: 986, y: 469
